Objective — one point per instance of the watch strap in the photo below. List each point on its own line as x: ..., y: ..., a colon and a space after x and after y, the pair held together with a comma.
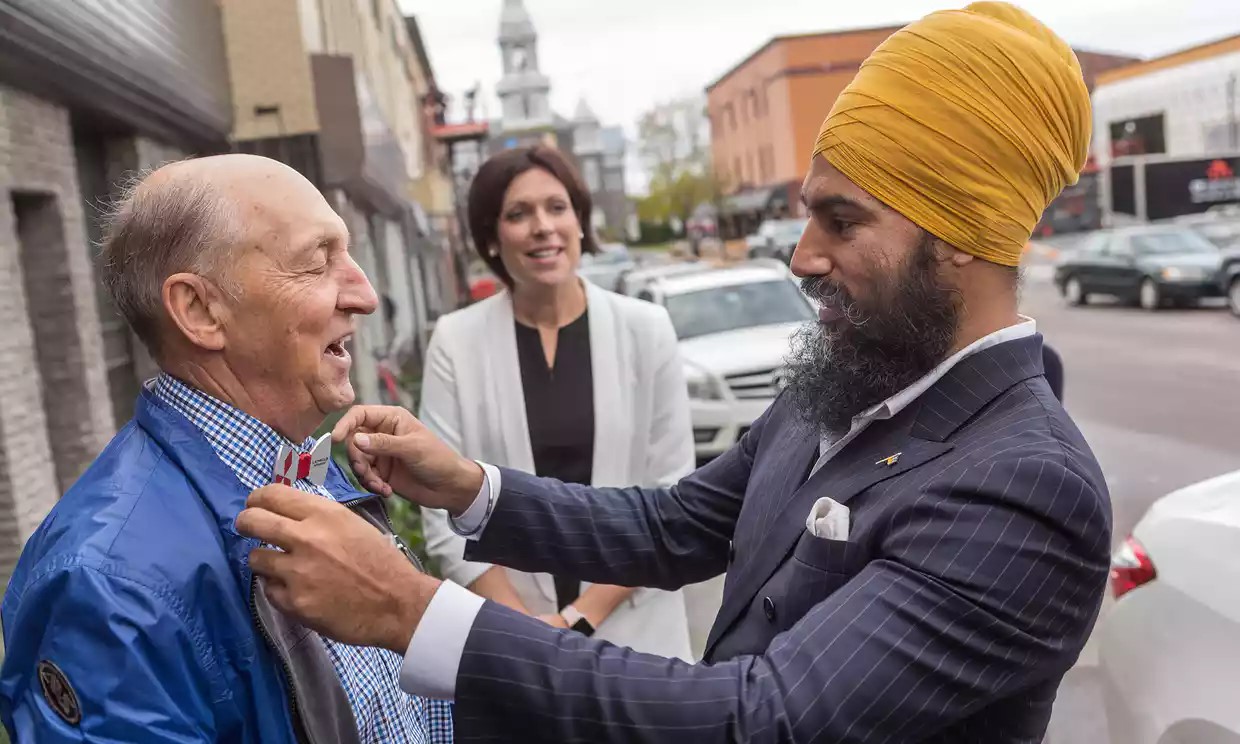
x: 577, y: 621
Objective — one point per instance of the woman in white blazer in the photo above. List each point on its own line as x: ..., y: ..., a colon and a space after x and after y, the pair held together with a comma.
x: 558, y: 377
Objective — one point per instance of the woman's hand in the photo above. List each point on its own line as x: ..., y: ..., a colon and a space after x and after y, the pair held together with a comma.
x: 554, y: 621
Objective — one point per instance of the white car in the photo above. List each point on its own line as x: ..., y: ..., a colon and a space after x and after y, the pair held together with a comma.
x: 734, y: 326
x: 606, y: 267
x: 1169, y: 650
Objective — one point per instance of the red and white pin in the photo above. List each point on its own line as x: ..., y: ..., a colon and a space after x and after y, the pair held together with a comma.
x: 292, y: 466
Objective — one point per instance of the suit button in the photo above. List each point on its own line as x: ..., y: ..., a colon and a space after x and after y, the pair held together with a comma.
x: 768, y: 606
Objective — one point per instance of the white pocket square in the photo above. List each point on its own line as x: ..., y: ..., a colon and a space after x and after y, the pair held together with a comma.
x: 828, y: 519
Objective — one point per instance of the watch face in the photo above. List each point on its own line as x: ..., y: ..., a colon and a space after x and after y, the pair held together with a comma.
x: 584, y: 627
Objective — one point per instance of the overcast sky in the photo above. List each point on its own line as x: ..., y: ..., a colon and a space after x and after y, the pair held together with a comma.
x: 625, y: 55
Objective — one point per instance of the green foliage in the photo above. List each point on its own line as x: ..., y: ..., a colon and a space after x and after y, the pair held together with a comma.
x: 672, y: 141
x: 655, y: 233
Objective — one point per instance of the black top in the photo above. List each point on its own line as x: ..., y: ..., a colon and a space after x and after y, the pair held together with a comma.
x: 559, y: 406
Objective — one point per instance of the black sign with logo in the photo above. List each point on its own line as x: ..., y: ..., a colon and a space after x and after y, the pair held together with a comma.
x: 1190, y: 186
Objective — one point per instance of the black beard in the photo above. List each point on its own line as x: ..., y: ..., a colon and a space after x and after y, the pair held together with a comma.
x: 838, y: 370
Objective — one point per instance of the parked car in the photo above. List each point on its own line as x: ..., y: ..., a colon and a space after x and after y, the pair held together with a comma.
x: 605, y: 267
x: 734, y: 326
x: 1150, y: 266
x: 776, y: 239
x: 1220, y: 229
x: 1229, y: 279
x: 1169, y: 650
x: 637, y: 278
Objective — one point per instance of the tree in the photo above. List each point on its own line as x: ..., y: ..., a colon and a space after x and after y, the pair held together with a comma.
x: 674, y: 145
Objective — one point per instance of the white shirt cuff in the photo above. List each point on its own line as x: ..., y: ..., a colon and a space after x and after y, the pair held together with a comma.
x: 474, y: 520
x: 435, y: 650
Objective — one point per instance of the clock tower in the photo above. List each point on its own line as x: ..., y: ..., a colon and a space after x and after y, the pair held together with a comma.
x: 524, y: 92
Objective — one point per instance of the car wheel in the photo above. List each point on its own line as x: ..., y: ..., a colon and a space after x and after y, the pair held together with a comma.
x: 1233, y: 296
x: 1150, y: 296
x: 1074, y: 293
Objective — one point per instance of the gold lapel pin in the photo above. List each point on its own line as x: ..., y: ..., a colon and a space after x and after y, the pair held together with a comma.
x: 889, y: 461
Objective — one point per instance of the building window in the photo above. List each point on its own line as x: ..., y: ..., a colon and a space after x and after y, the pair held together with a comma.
x: 377, y: 7
x: 590, y: 171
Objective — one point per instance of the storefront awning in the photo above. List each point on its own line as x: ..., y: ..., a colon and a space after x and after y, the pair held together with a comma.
x: 757, y: 200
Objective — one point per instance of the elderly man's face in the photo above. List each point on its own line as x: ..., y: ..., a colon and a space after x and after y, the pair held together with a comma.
x: 287, y: 335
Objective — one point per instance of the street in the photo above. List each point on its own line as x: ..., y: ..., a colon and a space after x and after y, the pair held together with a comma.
x: 1156, y: 395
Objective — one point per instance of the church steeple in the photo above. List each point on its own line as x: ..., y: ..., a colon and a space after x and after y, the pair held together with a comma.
x: 515, y: 23
x: 524, y: 92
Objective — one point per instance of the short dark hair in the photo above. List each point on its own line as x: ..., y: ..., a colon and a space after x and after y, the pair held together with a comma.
x: 486, y: 197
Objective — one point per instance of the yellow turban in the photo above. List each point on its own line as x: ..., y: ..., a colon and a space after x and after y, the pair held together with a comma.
x: 967, y: 122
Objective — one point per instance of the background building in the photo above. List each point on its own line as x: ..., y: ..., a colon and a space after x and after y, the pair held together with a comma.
x: 766, y: 111
x: 90, y: 93
x: 1180, y: 104
x: 527, y: 119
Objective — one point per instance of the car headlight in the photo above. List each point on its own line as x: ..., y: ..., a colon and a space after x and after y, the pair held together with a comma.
x: 702, y: 384
x: 1178, y: 273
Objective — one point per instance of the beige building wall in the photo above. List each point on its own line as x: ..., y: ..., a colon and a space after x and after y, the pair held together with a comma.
x: 273, y: 93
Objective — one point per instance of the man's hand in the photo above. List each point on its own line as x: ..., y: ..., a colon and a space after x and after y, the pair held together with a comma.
x: 392, y: 452
x: 338, y: 575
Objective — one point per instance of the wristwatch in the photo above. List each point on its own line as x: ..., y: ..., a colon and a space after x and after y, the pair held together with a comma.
x: 577, y: 621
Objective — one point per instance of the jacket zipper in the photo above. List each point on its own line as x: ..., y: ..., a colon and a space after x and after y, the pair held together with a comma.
x: 397, y: 540
x: 288, y: 673
x: 258, y: 621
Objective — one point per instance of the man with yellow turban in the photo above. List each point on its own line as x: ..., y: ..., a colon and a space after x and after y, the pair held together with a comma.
x: 915, y: 533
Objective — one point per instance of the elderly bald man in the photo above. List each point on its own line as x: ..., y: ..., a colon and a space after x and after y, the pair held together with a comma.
x: 133, y: 614
x: 916, y: 534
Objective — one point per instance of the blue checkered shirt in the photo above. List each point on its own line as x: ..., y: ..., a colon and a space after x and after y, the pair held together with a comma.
x: 370, y: 676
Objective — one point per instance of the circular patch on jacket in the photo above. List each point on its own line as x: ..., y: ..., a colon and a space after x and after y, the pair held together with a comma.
x: 58, y: 693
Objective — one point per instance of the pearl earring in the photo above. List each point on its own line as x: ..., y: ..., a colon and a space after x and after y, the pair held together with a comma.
x: 493, y: 252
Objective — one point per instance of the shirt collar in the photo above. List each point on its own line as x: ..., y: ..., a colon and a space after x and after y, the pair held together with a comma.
x: 898, y: 402
x: 246, y: 445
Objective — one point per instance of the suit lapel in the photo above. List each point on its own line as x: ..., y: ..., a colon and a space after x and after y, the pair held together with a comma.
x: 613, y: 408
x: 861, y: 465
x: 920, y: 433
x: 507, y: 414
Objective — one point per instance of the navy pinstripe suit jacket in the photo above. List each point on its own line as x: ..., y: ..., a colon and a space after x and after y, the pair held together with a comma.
x: 967, y: 587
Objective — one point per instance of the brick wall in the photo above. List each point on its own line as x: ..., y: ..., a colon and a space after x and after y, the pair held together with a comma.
x: 55, y: 414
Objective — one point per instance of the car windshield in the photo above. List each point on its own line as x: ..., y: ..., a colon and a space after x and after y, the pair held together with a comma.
x: 1171, y: 243
x: 720, y: 309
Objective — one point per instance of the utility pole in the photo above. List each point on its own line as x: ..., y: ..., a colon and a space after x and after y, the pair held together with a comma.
x: 1231, y: 113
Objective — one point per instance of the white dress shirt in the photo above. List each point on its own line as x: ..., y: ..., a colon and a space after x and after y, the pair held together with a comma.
x: 434, y: 655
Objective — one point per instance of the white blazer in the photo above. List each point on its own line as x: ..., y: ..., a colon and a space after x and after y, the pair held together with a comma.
x: 472, y: 398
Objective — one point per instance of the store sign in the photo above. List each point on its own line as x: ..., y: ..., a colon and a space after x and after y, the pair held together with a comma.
x: 1219, y: 185
x: 1179, y: 187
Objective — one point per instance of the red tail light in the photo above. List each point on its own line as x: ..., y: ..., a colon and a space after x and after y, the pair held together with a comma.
x: 1130, y: 568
